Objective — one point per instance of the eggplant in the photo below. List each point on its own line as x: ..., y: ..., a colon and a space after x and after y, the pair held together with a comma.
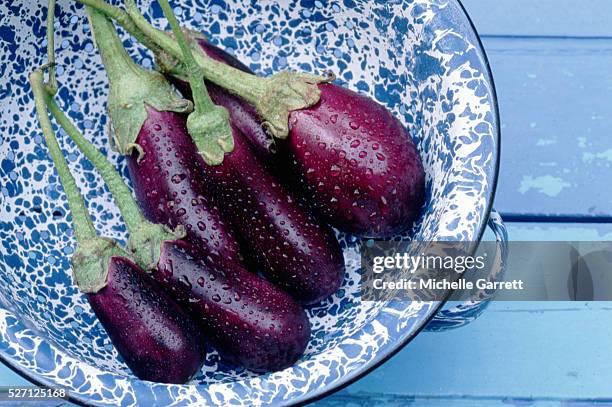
x: 248, y: 320
x: 157, y: 339
x: 166, y: 174
x: 283, y: 239
x: 351, y: 158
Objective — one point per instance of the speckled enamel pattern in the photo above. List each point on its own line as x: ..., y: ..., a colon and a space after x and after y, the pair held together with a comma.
x: 419, y: 58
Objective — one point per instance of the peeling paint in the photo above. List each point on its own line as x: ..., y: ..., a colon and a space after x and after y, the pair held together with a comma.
x: 546, y: 184
x: 590, y: 157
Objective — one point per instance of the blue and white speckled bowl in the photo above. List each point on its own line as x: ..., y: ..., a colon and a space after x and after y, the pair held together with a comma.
x: 422, y: 59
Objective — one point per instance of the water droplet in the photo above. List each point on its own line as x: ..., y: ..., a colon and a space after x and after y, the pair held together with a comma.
x: 355, y: 143
x: 216, y: 298
x: 380, y: 156
x: 201, y: 226
x: 369, y: 173
x: 181, y: 212
x: 334, y: 118
x: 201, y: 281
x: 335, y: 170
x: 354, y: 125
x: 157, y: 127
x: 363, y: 154
x: 183, y: 280
x: 375, y: 146
x: 322, y: 145
x: 177, y: 178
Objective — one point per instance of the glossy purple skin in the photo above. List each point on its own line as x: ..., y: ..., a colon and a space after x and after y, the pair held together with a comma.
x: 352, y: 160
x: 169, y: 186
x: 248, y: 320
x: 357, y: 162
x: 285, y: 241
x: 157, y: 339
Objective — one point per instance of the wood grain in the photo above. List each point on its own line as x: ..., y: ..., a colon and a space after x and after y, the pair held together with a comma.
x: 554, y: 96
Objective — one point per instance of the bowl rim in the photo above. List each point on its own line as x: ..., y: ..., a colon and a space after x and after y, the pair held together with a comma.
x: 385, y: 355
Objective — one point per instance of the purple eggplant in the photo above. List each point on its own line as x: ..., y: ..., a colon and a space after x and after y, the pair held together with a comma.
x: 170, y: 189
x: 248, y: 320
x: 157, y: 339
x: 353, y: 160
x: 284, y: 240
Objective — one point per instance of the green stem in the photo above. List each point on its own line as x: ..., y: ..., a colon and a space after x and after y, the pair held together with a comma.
x: 201, y: 97
x: 249, y: 87
x: 83, y: 226
x: 123, y: 19
x: 116, y: 60
x: 128, y: 206
x: 52, y: 86
x: 208, y: 124
x: 274, y: 97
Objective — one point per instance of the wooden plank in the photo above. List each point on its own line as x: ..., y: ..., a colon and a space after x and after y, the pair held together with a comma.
x: 586, y: 18
x: 514, y: 351
x: 555, y: 97
x: 536, y: 352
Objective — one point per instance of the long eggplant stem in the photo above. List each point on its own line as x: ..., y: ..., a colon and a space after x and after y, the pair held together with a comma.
x: 201, y: 97
x: 52, y: 83
x: 83, y: 226
x: 123, y: 196
x: 208, y: 124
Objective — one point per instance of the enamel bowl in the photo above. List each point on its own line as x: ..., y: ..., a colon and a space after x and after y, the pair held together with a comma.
x: 422, y: 59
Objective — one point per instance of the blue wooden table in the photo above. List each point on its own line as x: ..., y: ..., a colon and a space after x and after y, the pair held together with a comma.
x: 551, y: 60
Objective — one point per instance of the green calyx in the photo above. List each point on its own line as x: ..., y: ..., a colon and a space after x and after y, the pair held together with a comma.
x: 91, y: 260
x: 128, y: 99
x: 283, y: 93
x: 211, y: 133
x: 145, y: 242
x: 208, y: 124
x: 132, y: 88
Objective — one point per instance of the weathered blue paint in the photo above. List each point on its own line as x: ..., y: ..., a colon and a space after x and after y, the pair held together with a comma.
x: 554, y: 97
x: 587, y: 18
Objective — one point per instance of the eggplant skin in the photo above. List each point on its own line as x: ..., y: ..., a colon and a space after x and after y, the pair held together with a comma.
x: 248, y: 320
x: 350, y: 158
x: 157, y: 339
x: 280, y: 237
x: 357, y: 162
x: 170, y: 189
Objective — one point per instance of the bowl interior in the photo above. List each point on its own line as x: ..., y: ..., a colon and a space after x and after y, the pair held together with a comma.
x: 419, y: 58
